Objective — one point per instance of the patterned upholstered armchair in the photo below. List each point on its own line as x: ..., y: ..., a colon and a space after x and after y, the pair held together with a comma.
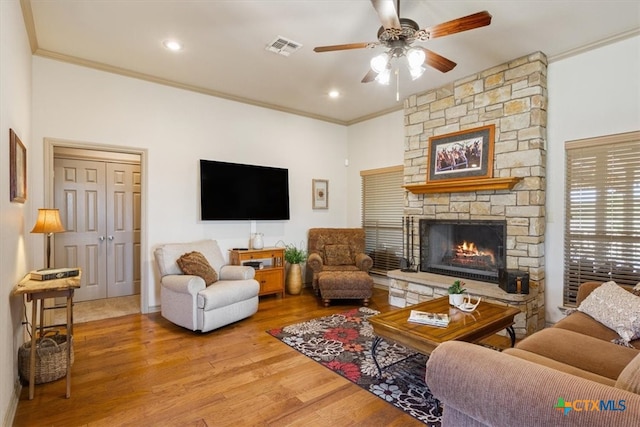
x: 336, y: 249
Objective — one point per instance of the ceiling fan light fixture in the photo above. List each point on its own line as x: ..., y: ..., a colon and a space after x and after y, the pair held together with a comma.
x: 384, y: 76
x: 415, y: 57
x: 416, y: 72
x: 379, y: 62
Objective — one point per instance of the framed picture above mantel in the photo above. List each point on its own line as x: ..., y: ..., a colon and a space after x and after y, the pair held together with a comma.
x: 463, y: 155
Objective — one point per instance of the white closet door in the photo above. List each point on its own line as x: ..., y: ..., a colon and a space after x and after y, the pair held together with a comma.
x: 79, y: 193
x: 123, y: 229
x: 99, y: 205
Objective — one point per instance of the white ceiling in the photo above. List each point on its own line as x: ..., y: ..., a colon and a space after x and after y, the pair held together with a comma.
x: 224, y: 44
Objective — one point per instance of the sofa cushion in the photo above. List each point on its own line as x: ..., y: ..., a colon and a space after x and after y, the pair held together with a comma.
x: 582, y: 351
x: 586, y: 325
x: 559, y: 366
x: 615, y: 308
x: 194, y: 263
x: 629, y: 378
x: 337, y: 255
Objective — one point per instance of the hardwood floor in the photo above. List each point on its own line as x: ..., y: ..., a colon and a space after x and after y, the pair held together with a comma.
x: 143, y: 370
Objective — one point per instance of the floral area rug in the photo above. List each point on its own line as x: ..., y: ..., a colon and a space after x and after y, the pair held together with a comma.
x: 342, y: 342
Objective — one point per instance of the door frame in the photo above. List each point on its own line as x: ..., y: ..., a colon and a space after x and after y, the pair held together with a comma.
x: 49, y: 146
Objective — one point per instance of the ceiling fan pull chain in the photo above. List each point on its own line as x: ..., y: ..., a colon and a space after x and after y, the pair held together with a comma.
x: 397, y: 86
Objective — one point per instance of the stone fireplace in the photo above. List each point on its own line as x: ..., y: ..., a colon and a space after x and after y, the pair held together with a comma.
x: 466, y: 249
x: 513, y: 98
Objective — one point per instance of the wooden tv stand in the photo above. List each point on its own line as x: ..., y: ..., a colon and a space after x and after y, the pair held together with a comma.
x: 271, y: 276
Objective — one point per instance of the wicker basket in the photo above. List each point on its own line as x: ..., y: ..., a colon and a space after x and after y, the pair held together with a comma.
x: 51, y: 358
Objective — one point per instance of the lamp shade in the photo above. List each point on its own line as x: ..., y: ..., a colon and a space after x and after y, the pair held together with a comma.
x: 48, y: 222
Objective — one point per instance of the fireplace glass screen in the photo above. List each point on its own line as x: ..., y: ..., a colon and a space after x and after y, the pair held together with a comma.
x: 465, y: 249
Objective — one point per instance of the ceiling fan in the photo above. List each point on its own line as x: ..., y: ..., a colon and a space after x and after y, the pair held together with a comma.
x: 398, y: 35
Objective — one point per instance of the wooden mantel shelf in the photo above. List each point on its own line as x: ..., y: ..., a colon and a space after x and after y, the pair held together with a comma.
x: 464, y: 185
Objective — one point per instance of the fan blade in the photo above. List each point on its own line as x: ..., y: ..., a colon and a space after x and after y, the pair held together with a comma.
x: 387, y: 13
x: 480, y: 19
x: 342, y: 47
x: 371, y: 76
x: 438, y: 62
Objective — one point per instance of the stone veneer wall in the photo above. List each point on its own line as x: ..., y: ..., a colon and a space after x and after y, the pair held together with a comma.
x: 513, y: 97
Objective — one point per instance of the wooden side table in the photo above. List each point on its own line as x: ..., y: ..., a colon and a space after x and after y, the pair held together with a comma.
x: 271, y: 277
x: 37, y: 291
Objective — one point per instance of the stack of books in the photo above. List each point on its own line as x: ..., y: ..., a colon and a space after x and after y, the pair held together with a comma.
x: 431, y: 319
x: 255, y: 264
x: 54, y: 273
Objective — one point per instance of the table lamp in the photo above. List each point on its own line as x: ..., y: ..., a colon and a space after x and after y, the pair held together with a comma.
x: 48, y: 223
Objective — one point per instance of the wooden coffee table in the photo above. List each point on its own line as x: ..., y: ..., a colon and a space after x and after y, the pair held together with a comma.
x: 487, y: 319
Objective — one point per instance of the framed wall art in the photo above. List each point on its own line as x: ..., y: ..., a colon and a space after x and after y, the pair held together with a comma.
x: 17, y: 169
x: 467, y: 154
x: 320, y: 190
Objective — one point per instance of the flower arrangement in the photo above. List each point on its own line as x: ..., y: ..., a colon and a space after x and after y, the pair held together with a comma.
x: 457, y: 287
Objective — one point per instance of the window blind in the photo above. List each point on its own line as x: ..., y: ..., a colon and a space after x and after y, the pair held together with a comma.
x: 602, y: 206
x: 382, y: 210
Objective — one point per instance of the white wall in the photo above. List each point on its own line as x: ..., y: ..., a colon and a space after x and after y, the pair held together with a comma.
x: 15, y: 106
x: 593, y: 94
x: 375, y: 143
x: 177, y: 128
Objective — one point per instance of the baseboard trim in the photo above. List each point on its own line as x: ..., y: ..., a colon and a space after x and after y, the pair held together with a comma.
x: 13, y: 404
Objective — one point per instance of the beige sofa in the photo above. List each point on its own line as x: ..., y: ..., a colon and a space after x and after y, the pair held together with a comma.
x: 566, y: 375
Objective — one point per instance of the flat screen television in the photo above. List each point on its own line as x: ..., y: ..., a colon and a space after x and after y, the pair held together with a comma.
x: 234, y: 191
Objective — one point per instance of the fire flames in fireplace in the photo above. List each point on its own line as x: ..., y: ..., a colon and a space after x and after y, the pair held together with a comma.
x: 467, y: 255
x: 471, y: 249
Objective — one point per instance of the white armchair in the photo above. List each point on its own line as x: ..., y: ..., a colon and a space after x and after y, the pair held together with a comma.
x: 187, y: 301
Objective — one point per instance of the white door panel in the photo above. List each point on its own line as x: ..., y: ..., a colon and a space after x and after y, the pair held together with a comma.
x: 99, y: 205
x: 79, y: 194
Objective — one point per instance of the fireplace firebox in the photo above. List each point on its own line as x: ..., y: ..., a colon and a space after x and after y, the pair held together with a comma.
x: 471, y: 249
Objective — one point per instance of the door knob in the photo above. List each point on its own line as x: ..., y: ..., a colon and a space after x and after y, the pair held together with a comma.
x: 101, y: 238
x: 110, y: 237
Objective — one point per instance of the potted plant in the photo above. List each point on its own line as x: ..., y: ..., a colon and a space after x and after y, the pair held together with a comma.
x: 294, y: 257
x: 456, y: 293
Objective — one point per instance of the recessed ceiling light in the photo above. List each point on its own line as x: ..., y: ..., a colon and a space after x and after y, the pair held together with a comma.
x: 334, y: 94
x: 172, y: 45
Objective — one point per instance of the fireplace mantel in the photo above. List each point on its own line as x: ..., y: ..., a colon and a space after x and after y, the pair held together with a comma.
x: 464, y: 185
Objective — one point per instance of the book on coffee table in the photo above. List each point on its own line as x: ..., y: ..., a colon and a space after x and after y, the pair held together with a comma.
x: 431, y: 319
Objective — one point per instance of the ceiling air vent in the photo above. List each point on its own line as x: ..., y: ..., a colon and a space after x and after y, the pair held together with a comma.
x: 283, y: 46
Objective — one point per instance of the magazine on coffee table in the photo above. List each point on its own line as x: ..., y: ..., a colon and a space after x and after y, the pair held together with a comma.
x: 431, y: 319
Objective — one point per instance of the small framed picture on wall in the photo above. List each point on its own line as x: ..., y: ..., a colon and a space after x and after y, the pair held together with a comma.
x: 17, y: 169
x: 320, y: 190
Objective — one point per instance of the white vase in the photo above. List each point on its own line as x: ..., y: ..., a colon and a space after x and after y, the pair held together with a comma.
x: 257, y: 241
x: 456, y: 299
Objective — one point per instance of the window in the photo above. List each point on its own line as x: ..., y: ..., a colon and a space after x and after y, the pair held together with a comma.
x: 382, y: 210
x: 602, y: 205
